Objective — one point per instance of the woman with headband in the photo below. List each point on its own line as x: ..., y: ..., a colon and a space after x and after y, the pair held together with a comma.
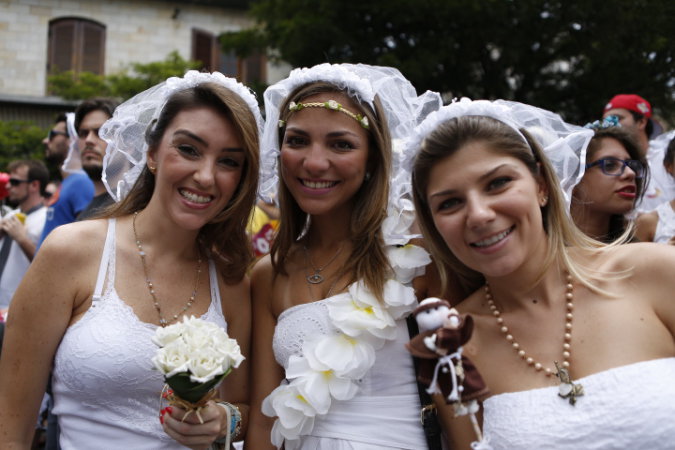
x: 182, y: 162
x: 329, y: 303
x: 573, y: 338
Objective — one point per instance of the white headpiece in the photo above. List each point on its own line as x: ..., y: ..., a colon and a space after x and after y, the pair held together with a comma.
x: 125, y: 131
x: 73, y: 163
x: 564, y: 144
x: 403, y: 109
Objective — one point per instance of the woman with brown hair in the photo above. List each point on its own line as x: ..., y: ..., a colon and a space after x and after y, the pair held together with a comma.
x: 329, y: 302
x: 182, y: 161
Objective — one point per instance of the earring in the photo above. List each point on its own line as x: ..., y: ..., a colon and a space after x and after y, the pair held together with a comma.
x: 543, y: 201
x: 152, y: 169
x: 367, y: 178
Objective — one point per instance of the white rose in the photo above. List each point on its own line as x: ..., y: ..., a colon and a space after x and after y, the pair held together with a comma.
x: 166, y: 335
x: 204, y: 365
x: 171, y: 360
x: 231, y: 353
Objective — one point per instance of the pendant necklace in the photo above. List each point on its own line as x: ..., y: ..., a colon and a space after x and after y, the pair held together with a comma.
x: 316, y: 277
x: 567, y: 389
x: 151, y: 287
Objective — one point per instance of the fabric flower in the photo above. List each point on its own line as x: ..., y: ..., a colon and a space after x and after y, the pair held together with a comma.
x: 295, y: 414
x: 345, y: 355
x: 359, y: 313
x: 408, y: 261
x: 318, y: 384
x: 400, y: 299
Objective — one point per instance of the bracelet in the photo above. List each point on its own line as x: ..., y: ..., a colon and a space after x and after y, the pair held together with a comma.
x: 234, y: 417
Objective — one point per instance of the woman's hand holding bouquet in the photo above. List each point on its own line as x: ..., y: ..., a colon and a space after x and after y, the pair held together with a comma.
x: 195, y: 356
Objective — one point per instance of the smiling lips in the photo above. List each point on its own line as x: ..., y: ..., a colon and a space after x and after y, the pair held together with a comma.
x: 195, y: 198
x: 628, y: 192
x: 318, y: 184
x: 492, y: 239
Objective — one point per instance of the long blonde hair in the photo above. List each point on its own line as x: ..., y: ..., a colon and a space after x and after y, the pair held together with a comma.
x: 454, y: 134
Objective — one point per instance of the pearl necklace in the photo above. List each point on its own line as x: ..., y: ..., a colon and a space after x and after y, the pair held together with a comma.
x: 568, y: 389
x: 151, y: 288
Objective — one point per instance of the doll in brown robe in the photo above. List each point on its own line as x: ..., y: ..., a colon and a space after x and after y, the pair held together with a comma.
x: 442, y: 365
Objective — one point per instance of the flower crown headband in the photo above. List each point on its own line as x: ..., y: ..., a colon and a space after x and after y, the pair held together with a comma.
x: 564, y: 144
x: 403, y: 110
x: 127, y: 149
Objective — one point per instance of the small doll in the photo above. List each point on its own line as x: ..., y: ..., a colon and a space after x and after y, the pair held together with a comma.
x: 442, y: 366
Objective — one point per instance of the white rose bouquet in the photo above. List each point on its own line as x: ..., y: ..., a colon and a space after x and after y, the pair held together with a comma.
x: 194, y: 356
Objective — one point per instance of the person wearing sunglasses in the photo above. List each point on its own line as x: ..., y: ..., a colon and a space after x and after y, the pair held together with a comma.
x: 20, y: 229
x: 90, y: 148
x: 76, y: 189
x: 613, y: 183
x: 634, y: 113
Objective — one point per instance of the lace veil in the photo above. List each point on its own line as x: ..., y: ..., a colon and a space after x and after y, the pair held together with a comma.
x: 564, y: 144
x: 127, y: 149
x: 403, y: 109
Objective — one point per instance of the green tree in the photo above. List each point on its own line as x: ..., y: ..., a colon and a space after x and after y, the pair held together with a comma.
x: 566, y: 56
x: 125, y: 84
x: 20, y: 140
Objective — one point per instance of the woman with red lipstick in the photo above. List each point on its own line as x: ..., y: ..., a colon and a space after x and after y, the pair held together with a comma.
x: 182, y: 162
x: 613, y: 183
x: 574, y: 338
x: 330, y: 301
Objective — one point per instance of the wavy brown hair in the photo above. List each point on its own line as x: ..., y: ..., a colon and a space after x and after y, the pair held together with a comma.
x: 224, y: 238
x: 367, y: 260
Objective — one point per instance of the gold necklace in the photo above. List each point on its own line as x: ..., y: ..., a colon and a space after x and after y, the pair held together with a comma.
x: 316, y: 277
x: 568, y: 389
x: 151, y: 287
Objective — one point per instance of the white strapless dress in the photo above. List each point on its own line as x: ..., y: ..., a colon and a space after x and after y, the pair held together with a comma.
x: 627, y: 407
x: 384, y: 414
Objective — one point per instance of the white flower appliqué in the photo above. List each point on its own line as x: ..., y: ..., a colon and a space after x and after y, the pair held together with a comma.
x: 330, y: 365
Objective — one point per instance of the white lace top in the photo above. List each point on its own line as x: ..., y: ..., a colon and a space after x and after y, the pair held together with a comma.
x: 106, y: 391
x: 628, y: 407
x: 384, y: 414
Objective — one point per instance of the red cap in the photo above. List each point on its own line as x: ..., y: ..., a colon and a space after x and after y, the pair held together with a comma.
x: 4, y: 184
x: 630, y: 102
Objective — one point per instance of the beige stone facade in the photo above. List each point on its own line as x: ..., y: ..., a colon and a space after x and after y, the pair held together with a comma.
x: 136, y: 31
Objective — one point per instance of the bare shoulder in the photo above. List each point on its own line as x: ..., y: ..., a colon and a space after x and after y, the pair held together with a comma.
x: 650, y: 218
x: 473, y: 304
x: 645, y: 226
x: 263, y: 271
x: 642, y: 258
x: 74, y: 244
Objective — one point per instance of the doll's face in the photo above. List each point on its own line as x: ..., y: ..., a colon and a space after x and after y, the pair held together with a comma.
x: 432, y: 318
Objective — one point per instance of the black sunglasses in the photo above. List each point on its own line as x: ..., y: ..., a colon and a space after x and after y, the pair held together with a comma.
x: 82, y: 133
x: 54, y: 133
x: 615, y: 167
x: 17, y: 181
